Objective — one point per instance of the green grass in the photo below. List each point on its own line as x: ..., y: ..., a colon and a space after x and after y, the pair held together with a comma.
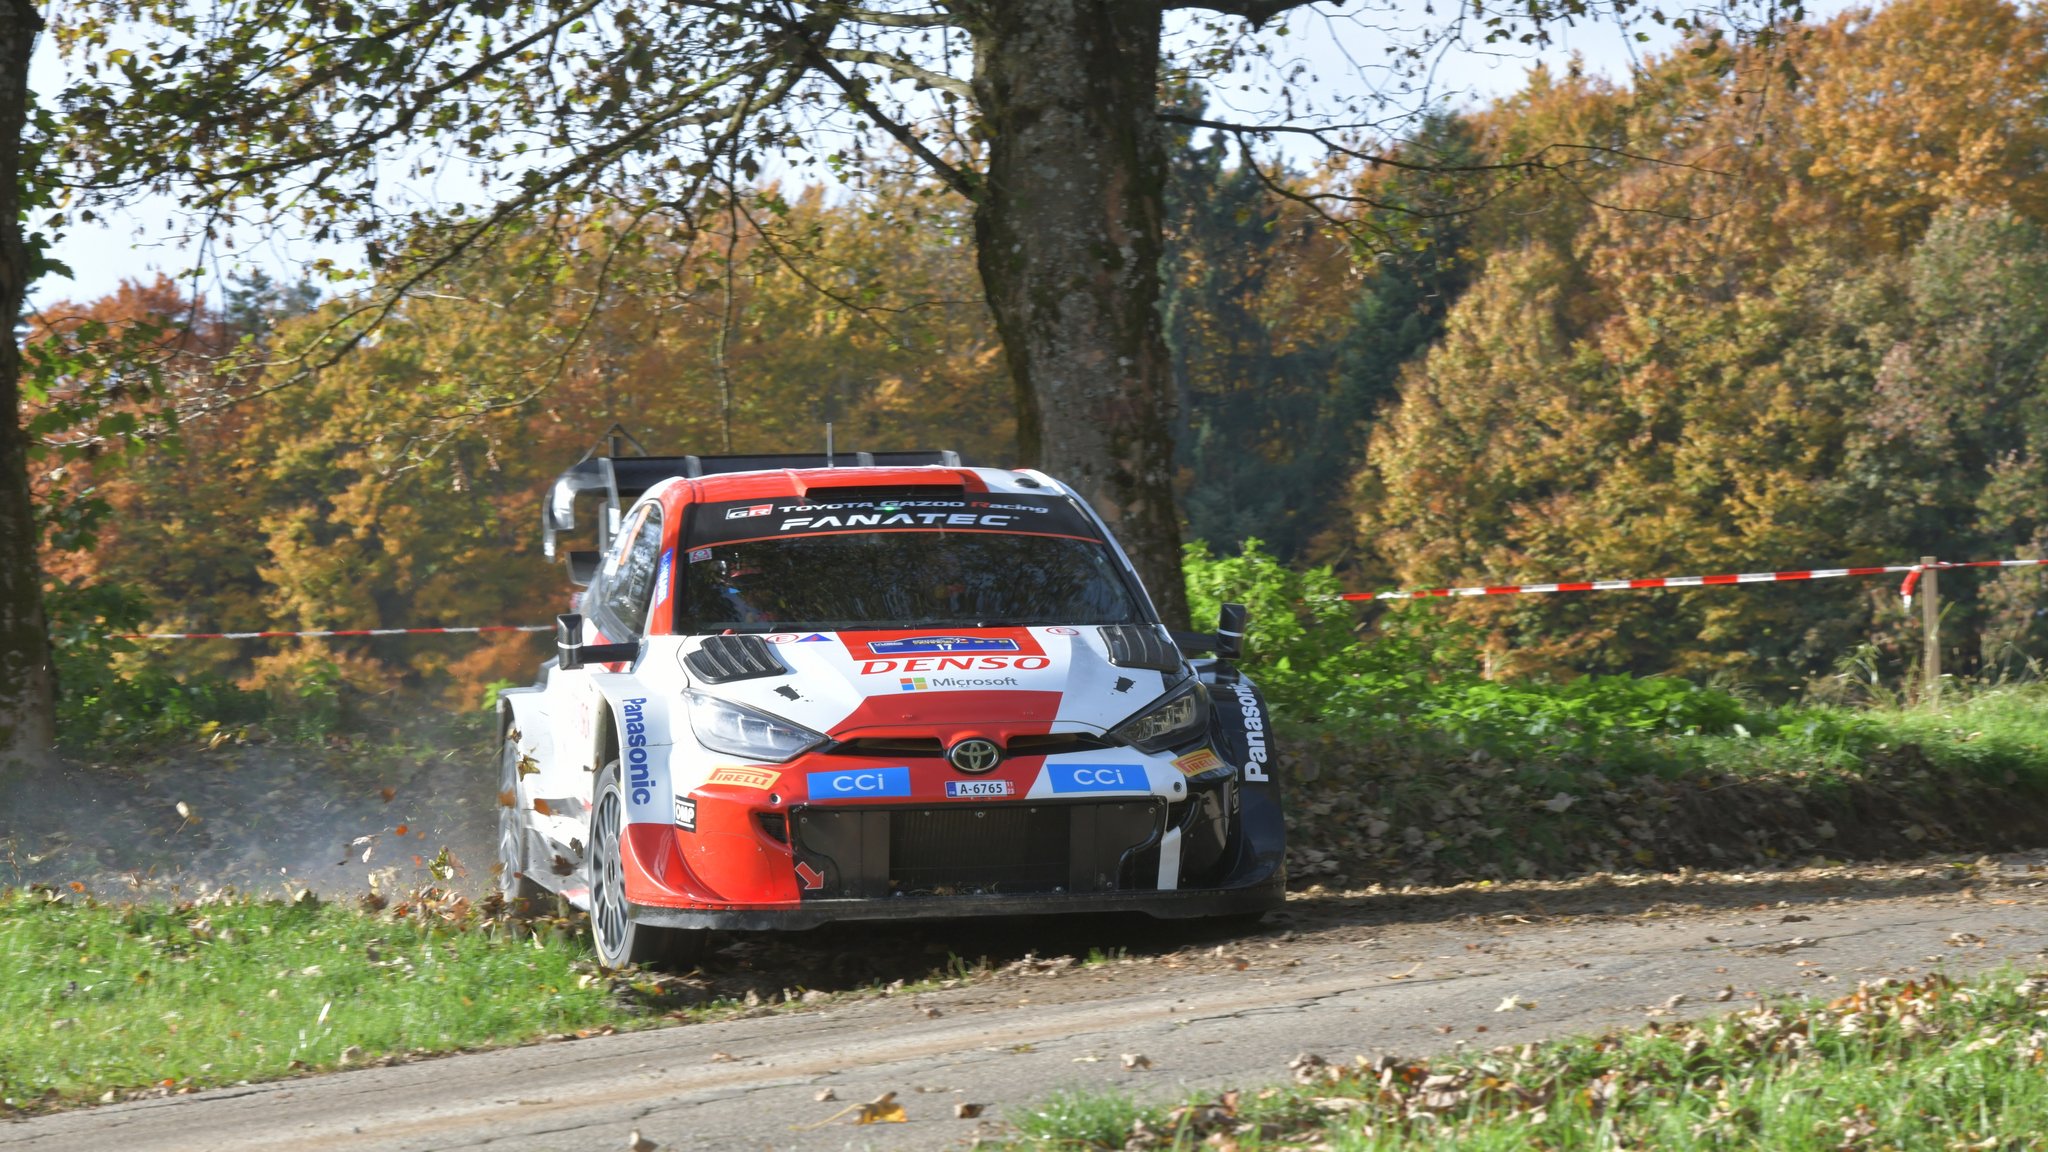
x: 1928, y: 1064
x: 1780, y: 786
x: 97, y: 998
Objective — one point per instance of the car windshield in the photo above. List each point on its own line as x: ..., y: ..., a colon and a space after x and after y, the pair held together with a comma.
x: 854, y: 580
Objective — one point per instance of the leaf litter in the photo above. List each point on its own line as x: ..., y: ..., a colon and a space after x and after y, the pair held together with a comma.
x: 1726, y: 1079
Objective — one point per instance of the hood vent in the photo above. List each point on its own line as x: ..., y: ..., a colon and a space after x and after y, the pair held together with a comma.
x: 724, y: 659
x: 1140, y: 646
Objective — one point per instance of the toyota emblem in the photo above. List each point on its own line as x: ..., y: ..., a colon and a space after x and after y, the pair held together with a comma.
x: 975, y: 755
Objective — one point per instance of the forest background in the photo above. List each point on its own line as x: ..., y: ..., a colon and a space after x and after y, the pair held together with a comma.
x: 1819, y: 338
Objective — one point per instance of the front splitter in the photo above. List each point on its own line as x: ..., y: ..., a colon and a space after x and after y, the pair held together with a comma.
x: 1260, y: 895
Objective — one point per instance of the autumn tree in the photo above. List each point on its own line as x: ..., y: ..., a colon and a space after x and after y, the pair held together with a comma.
x: 1837, y: 364
x: 1041, y: 114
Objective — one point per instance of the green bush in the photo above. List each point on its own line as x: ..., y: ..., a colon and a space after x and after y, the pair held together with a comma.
x: 107, y: 700
x: 1414, y: 670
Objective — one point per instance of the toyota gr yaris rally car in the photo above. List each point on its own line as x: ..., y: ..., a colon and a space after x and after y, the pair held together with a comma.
x: 796, y: 691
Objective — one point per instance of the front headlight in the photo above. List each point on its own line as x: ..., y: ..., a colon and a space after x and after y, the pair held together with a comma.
x: 738, y: 730
x: 1178, y: 718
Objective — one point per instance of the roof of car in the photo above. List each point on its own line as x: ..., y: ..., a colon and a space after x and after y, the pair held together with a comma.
x: 797, y: 482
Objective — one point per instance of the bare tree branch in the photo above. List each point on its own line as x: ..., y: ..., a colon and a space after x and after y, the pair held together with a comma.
x: 901, y: 67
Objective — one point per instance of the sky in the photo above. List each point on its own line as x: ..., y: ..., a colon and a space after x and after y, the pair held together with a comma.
x: 1335, y: 53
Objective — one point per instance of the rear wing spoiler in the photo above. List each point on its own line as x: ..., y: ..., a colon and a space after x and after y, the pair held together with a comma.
x: 620, y: 480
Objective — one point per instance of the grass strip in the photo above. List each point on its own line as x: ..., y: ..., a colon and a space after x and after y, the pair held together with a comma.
x: 1922, y: 1064
x: 1419, y: 806
x: 101, y: 1001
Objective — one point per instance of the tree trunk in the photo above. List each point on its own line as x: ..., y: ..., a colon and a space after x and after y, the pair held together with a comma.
x: 27, y: 705
x: 1068, y: 231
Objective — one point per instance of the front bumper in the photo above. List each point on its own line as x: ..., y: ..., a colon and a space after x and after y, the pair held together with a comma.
x: 1260, y: 893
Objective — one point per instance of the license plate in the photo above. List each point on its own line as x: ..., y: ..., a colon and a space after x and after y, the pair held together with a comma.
x: 976, y: 789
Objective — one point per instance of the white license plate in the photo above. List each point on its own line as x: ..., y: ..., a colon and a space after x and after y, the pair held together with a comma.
x: 975, y: 789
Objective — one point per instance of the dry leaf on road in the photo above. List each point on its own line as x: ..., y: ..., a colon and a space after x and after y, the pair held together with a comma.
x: 1137, y: 1060
x: 1514, y: 1002
x: 882, y: 1109
x: 966, y: 1111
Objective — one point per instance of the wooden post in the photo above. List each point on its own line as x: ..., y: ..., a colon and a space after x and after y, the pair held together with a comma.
x: 1930, y: 632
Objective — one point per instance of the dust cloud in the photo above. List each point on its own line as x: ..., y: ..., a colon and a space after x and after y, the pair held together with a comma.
x: 413, y: 807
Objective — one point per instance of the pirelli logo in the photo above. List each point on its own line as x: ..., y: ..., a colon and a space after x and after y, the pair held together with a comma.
x: 762, y: 778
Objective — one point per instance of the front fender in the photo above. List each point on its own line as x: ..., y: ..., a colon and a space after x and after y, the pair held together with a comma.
x: 523, y: 717
x: 643, y: 719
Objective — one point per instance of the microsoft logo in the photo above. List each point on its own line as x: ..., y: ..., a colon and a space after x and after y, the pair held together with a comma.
x: 912, y: 683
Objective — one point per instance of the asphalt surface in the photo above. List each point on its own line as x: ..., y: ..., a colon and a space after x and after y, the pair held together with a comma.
x: 1338, y: 974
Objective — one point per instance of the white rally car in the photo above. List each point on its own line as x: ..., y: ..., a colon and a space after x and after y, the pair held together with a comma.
x: 873, y: 686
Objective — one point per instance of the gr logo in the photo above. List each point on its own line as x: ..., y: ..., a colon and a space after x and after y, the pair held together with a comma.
x: 1097, y: 778
x: 860, y: 782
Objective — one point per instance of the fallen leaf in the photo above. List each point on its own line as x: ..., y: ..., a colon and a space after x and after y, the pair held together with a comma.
x: 966, y: 1111
x: 825, y: 1094
x: 399, y: 831
x: 1960, y: 939
x: 721, y: 1057
x: 1725, y: 994
x: 1514, y: 1002
x: 1559, y: 802
x: 1136, y: 1060
x: 635, y: 1142
x: 882, y: 1109
x: 543, y: 807
x: 509, y: 798
x: 931, y: 1013
x: 185, y: 810
x: 387, y: 793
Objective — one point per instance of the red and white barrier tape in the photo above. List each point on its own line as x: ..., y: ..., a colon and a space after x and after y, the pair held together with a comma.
x: 330, y: 632
x: 1912, y: 572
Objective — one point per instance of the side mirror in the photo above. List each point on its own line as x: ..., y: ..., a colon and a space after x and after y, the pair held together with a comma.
x: 1230, y: 627
x: 572, y: 652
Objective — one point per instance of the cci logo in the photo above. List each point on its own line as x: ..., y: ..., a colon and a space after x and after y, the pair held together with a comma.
x: 1097, y: 778
x: 855, y: 782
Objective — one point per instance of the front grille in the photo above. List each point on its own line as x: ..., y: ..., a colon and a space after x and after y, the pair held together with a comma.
x: 964, y: 849
x: 946, y: 851
x: 889, y: 746
x: 1055, y: 743
x: 1050, y: 744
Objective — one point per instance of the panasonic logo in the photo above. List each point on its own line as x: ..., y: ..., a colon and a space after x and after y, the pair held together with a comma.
x: 639, y: 768
x: 1254, y: 732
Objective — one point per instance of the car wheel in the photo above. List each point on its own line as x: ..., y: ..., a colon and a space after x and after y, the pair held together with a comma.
x: 619, y: 938
x: 522, y: 895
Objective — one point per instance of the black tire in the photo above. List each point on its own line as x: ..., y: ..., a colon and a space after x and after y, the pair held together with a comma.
x: 522, y: 895
x: 621, y: 940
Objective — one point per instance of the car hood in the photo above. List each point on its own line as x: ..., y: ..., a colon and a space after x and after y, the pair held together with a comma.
x: 947, y: 683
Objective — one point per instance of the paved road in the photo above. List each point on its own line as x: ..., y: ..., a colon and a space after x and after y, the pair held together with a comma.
x: 1338, y: 974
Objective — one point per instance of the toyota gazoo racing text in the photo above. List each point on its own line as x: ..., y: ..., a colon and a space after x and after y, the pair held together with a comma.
x: 796, y: 691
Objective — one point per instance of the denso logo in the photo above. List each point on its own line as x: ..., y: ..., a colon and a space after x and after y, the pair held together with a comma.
x: 956, y: 664
x: 640, y: 770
